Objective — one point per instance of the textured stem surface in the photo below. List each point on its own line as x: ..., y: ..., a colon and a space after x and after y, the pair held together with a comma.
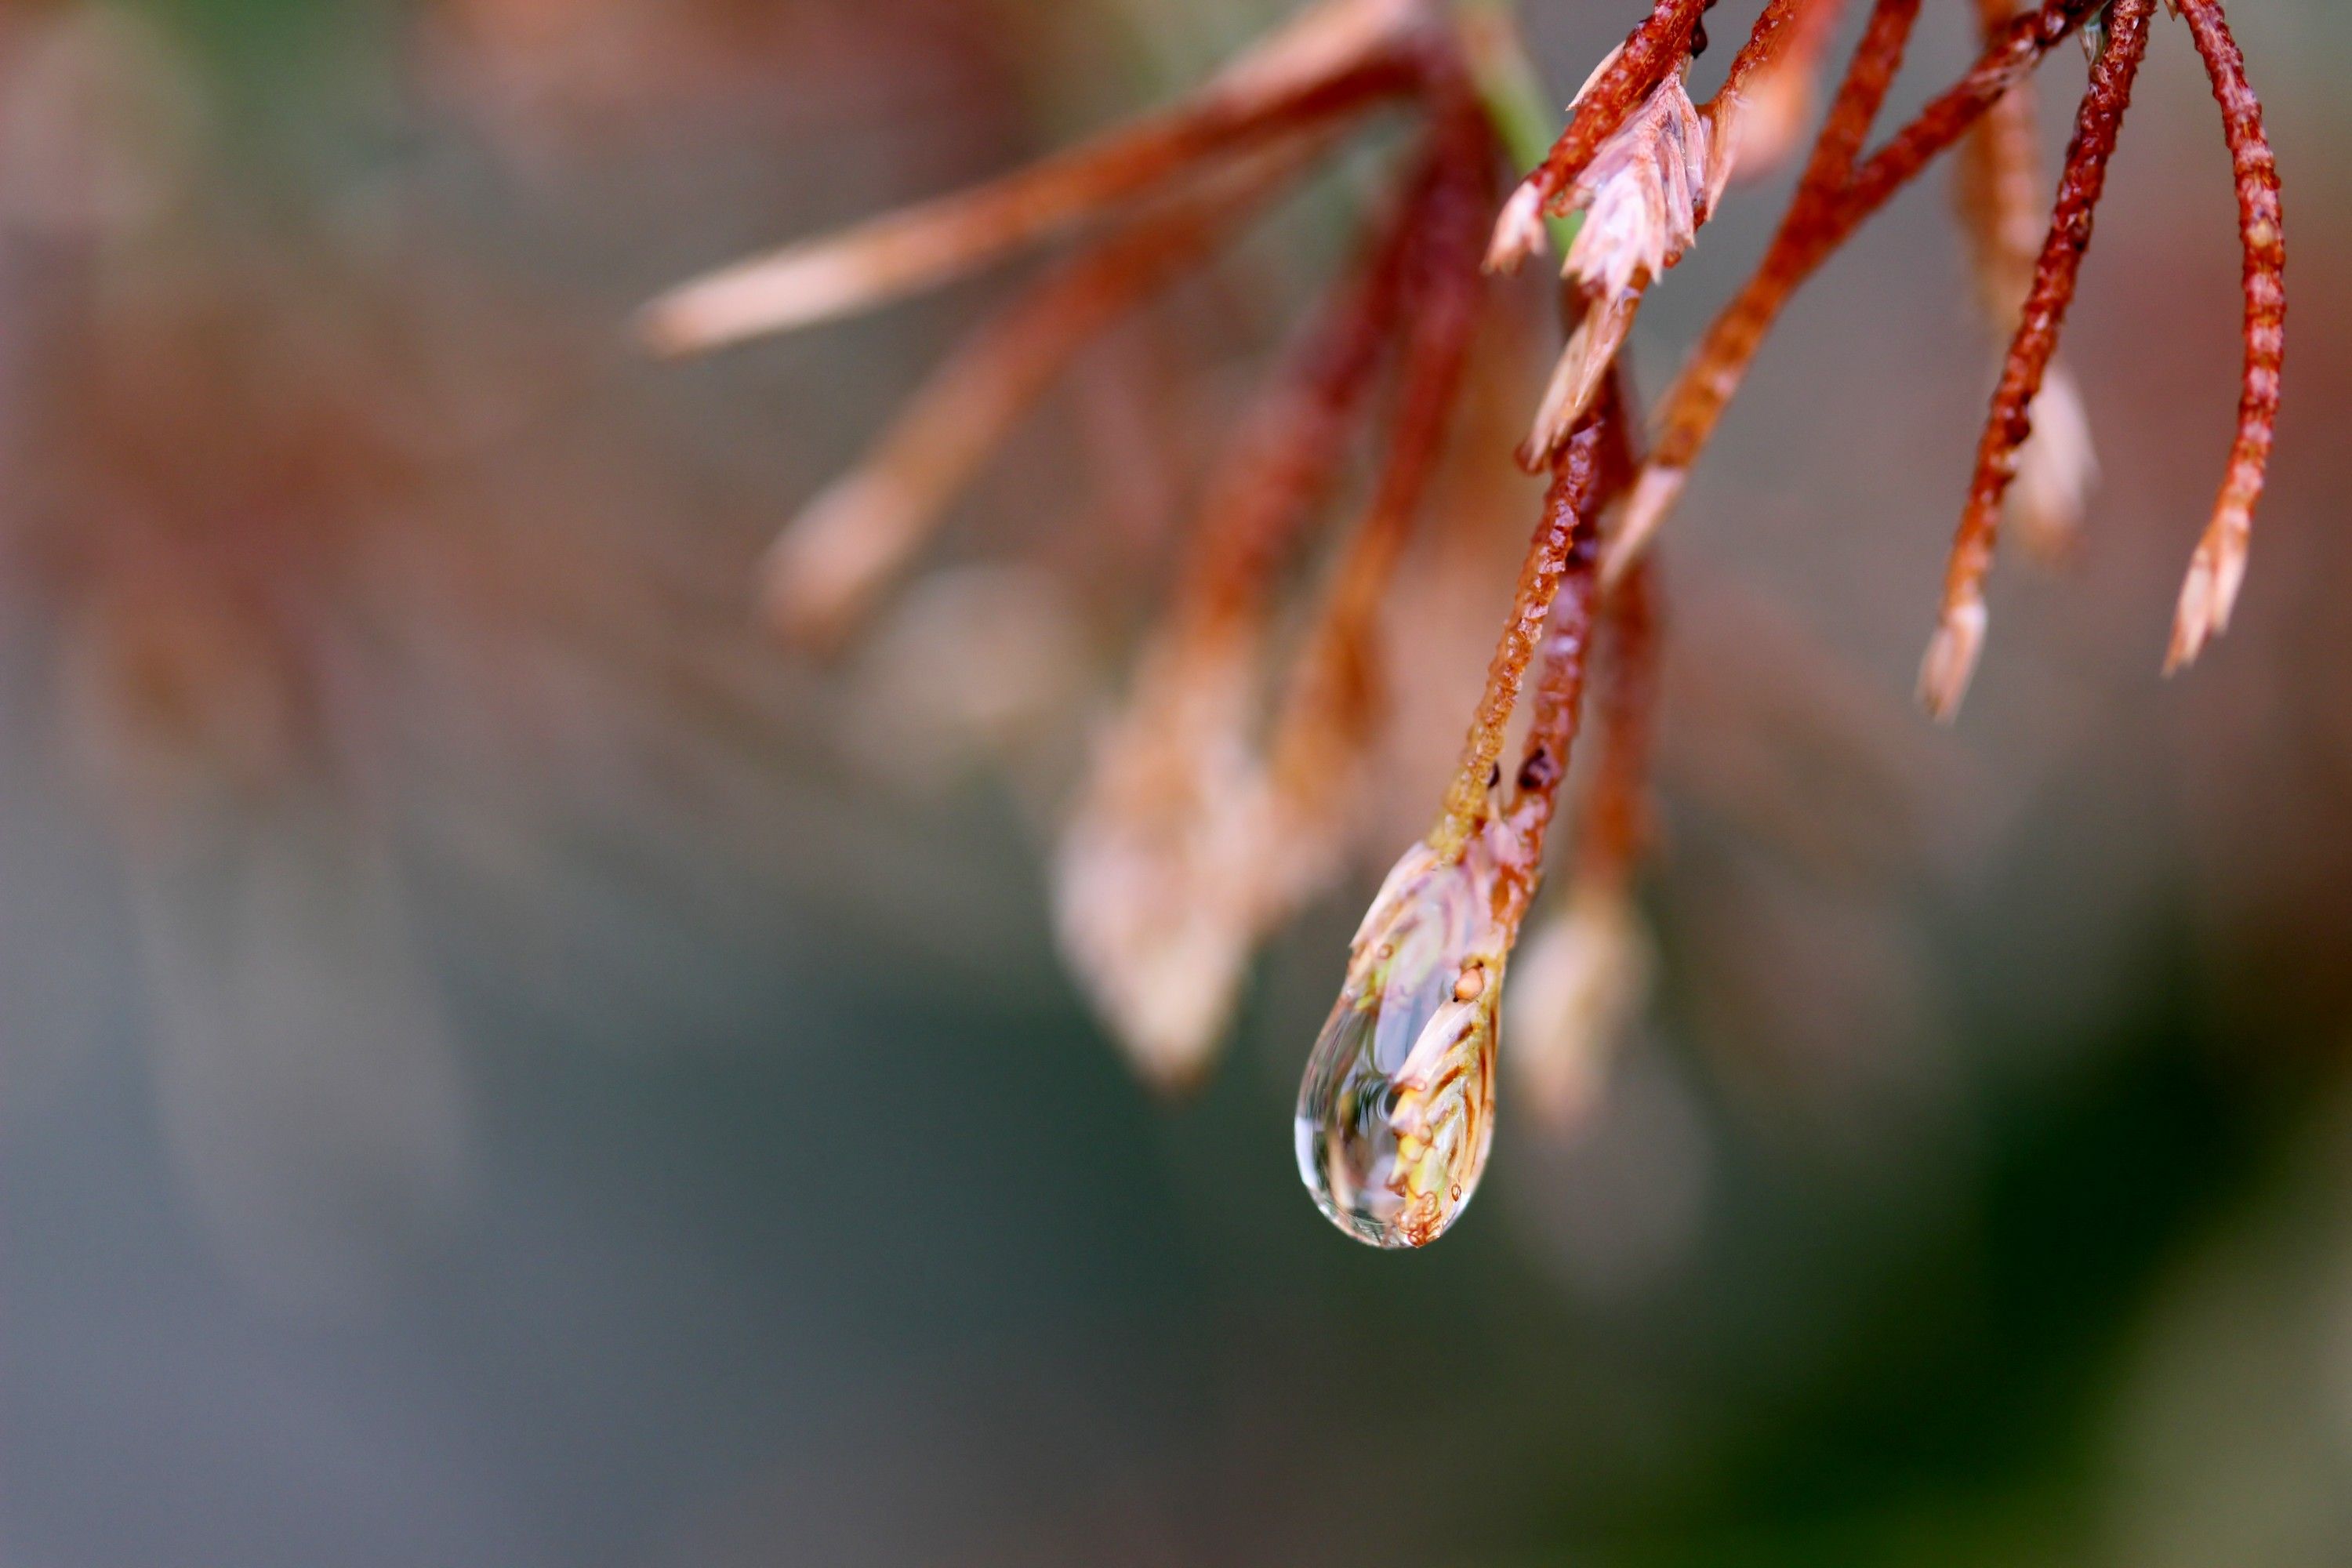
x: 1567, y: 529
x: 1698, y: 400
x: 1807, y: 234
x: 2219, y: 566
x: 1951, y: 658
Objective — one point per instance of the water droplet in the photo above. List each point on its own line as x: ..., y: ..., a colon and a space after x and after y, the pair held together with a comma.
x: 1397, y: 1109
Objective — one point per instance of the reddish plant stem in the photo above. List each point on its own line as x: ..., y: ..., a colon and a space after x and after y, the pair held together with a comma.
x: 1815, y: 228
x: 1288, y: 445
x: 1657, y: 44
x: 1336, y: 694
x: 1555, y: 709
x: 2220, y: 563
x: 2007, y: 427
x: 1565, y: 546
x: 1810, y: 231
x: 1556, y: 715
x: 917, y: 246
x: 2007, y: 60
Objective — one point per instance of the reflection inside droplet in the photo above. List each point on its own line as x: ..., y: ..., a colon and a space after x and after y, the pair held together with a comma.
x: 1396, y: 1112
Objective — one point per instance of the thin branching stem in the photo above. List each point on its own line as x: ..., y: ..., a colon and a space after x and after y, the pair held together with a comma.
x: 1806, y: 239
x: 2002, y: 202
x: 2007, y: 60
x: 1807, y: 234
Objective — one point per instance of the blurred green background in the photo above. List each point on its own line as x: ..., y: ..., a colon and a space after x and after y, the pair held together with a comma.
x: 504, y: 1066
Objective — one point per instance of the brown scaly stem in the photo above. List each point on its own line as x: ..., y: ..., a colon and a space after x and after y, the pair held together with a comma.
x: 2007, y: 60
x: 1806, y: 235
x: 848, y: 543
x: 1960, y: 636
x: 2001, y: 200
x: 1557, y: 705
x: 1698, y: 400
x: 1774, y: 30
x: 1330, y: 712
x: 1557, y: 713
x: 1339, y: 58
x: 1567, y: 531
x: 2219, y: 566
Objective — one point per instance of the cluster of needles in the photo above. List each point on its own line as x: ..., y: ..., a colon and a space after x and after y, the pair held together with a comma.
x: 1226, y: 793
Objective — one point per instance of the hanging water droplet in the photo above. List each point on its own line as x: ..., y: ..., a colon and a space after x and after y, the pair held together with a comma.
x: 1396, y: 1112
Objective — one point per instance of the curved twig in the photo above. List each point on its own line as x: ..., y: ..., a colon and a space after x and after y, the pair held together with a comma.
x: 1959, y: 635
x: 2219, y: 566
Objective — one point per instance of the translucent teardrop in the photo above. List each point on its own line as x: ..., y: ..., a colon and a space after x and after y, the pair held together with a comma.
x: 1397, y: 1109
